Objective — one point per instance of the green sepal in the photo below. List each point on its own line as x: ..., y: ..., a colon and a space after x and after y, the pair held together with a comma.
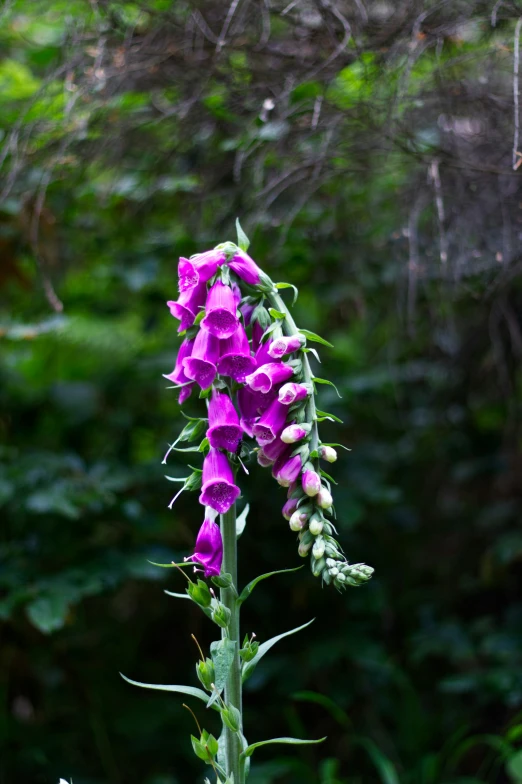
x: 206, y: 747
x: 277, y: 314
x: 199, y: 318
x: 289, y: 286
x: 315, y: 338
x: 249, y: 667
x: 308, y: 350
x: 199, y: 593
x: 191, y: 691
x: 196, y: 427
x: 222, y: 653
x: 241, y: 521
x: 325, y: 381
x: 221, y: 615
x: 322, y: 415
x: 231, y: 716
x: 205, y: 393
x: 242, y: 240
x: 247, y: 590
x: 225, y: 274
x: 223, y: 580
x: 289, y: 741
x: 206, y: 673
x: 249, y: 649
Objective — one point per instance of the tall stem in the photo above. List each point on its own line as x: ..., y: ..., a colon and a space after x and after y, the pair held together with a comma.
x: 229, y: 599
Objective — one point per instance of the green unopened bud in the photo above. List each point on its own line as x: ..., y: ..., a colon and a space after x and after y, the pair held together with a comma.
x: 206, y: 673
x: 223, y: 580
x: 199, y: 593
x: 339, y: 578
x: 327, y: 453
x: 193, y: 482
x: 318, y: 566
x: 206, y: 747
x: 221, y: 615
x: 316, y: 524
x: 332, y: 550
x: 319, y: 547
x: 357, y: 574
x: 249, y: 649
x: 231, y: 717
x: 324, y: 498
x: 304, y: 549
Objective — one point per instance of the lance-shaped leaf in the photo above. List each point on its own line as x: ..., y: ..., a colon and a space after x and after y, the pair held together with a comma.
x: 277, y: 314
x: 315, y: 338
x: 325, y: 381
x: 288, y: 741
x: 191, y: 691
x: 241, y: 521
x: 177, y: 595
x: 247, y: 590
x: 222, y: 653
x: 322, y: 415
x: 249, y: 667
x: 242, y: 239
x: 288, y: 286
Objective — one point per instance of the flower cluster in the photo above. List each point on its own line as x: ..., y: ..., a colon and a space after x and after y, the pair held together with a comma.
x: 243, y: 350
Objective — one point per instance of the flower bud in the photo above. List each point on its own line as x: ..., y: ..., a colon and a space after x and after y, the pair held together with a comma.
x: 304, y: 549
x: 206, y: 673
x: 231, y: 717
x: 318, y: 566
x: 292, y: 393
x: 199, y: 593
x: 318, y: 548
x: 294, y: 433
x: 289, y: 508
x: 298, y: 520
x: 311, y: 482
x: 221, y: 615
x: 316, y: 524
x: 327, y: 453
x: 357, y: 574
x: 324, y: 498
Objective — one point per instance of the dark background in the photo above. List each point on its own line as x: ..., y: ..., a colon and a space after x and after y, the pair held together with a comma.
x: 368, y: 149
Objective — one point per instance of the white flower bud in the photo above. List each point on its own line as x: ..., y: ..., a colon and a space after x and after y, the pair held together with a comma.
x: 327, y: 453
x: 324, y: 498
x: 298, y: 520
x: 318, y: 548
x: 316, y: 525
x: 304, y: 549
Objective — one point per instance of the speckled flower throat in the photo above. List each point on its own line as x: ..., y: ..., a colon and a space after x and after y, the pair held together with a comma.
x: 243, y: 353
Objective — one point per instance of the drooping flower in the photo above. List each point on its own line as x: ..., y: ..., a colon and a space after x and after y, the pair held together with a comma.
x: 270, y: 423
x: 274, y: 449
x: 221, y: 311
x: 186, y: 307
x: 245, y: 268
x: 251, y: 405
x: 178, y: 374
x: 286, y: 469
x: 201, y: 365
x: 292, y: 393
x: 208, y: 550
x: 311, y: 482
x: 198, y: 269
x: 294, y: 433
x: 285, y: 345
x: 236, y: 360
x: 264, y: 378
x: 218, y: 489
x: 289, y: 508
x: 224, y: 431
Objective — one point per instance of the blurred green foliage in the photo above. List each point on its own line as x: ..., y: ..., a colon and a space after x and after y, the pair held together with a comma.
x: 131, y: 136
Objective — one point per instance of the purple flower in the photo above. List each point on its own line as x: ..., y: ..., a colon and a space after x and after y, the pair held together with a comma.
x: 257, y: 334
x: 274, y: 449
x: 264, y: 378
x: 198, y: 269
x: 251, y: 404
x: 223, y: 431
x: 262, y: 355
x: 178, y: 374
x: 282, y: 346
x: 185, y: 393
x: 245, y: 268
x: 218, y: 489
x: 271, y: 423
x: 263, y: 460
x: 201, y: 365
x: 286, y: 469
x: 291, y: 393
x: 311, y: 482
x: 294, y: 433
x: 289, y: 508
x: 221, y: 316
x: 208, y: 550
x: 235, y: 360
x: 186, y: 307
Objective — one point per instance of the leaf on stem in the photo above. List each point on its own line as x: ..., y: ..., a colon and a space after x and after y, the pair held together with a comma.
x: 247, y: 590
x: 277, y: 314
x: 177, y: 595
x: 325, y: 381
x: 322, y: 415
x: 241, y: 521
x: 191, y: 691
x: 288, y: 741
x: 315, y: 338
x: 289, y: 286
x: 222, y: 653
x: 249, y: 667
x: 242, y: 239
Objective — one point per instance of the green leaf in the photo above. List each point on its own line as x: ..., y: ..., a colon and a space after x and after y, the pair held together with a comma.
x: 288, y: 741
x: 241, y: 521
x: 314, y: 352
x: 289, y: 286
x: 315, y: 338
x: 48, y: 613
x: 277, y: 314
x: 242, y: 239
x: 191, y: 691
x: 514, y: 767
x: 249, y: 667
x: 172, y: 565
x: 247, y: 590
x: 177, y: 595
x: 222, y: 653
x: 325, y: 381
x: 322, y: 415
x: 327, y: 476
x: 334, y: 444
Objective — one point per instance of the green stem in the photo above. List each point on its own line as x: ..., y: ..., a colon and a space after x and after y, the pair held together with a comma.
x: 229, y: 598
x: 291, y: 329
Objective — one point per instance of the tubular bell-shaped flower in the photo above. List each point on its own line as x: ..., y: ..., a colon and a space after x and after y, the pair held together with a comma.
x: 294, y: 433
x: 221, y: 311
x: 186, y: 307
x: 198, y: 269
x: 270, y: 423
x: 201, y: 365
x: 264, y: 378
x: 178, y: 374
x: 224, y: 431
x: 286, y: 469
x: 280, y: 347
x: 245, y: 268
x: 208, y: 550
x: 218, y: 489
x: 236, y: 360
x: 292, y: 393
